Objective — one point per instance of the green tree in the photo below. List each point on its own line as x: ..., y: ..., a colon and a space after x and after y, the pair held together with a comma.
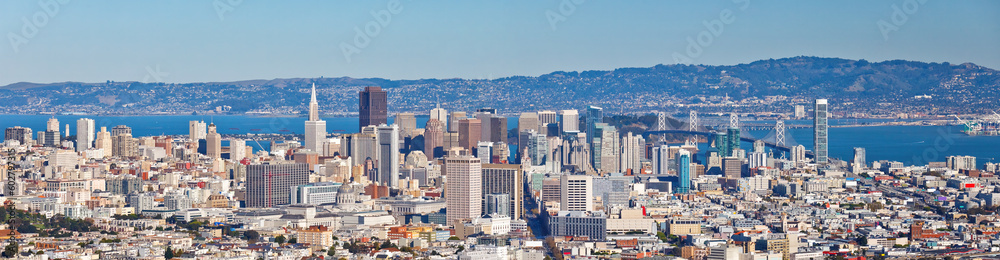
x: 168, y: 253
x: 332, y: 251
x: 11, y: 250
x: 454, y: 238
x: 280, y: 239
x: 251, y: 235
x: 294, y: 240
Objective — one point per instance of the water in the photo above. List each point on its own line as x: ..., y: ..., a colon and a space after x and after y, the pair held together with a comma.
x: 907, y: 144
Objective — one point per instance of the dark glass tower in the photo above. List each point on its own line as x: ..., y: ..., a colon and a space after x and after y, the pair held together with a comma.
x: 373, y: 107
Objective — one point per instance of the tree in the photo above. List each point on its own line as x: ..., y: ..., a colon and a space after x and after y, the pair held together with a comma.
x: 454, y: 238
x: 251, y: 235
x: 294, y: 240
x: 332, y: 251
x: 168, y: 253
x: 280, y: 239
x: 460, y: 249
x: 11, y: 250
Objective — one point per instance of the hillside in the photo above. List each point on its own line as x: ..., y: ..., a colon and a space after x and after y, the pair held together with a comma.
x: 852, y: 86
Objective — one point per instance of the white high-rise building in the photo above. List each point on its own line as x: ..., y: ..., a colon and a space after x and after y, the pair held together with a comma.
x: 315, y: 127
x: 576, y: 193
x: 661, y: 159
x: 961, y: 162
x: 237, y: 149
x: 464, y: 187
x: 52, y: 125
x: 859, y: 162
x: 196, y: 130
x: 633, y: 149
x: 799, y: 154
x: 388, y: 158
x: 441, y: 115
x: 821, y: 135
x: 570, y: 120
x: 84, y: 134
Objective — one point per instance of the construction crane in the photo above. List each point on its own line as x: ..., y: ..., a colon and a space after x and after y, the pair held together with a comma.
x: 971, y: 127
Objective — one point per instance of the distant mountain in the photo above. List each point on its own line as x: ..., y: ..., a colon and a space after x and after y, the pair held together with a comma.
x: 852, y: 85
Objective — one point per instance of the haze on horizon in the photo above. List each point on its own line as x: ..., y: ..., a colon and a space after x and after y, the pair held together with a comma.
x: 230, y: 40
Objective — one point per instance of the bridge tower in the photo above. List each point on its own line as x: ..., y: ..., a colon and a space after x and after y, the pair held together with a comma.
x: 734, y: 120
x: 661, y: 121
x: 779, y: 135
x: 693, y: 126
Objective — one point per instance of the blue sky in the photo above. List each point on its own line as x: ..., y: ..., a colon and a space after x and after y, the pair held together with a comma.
x: 189, y: 41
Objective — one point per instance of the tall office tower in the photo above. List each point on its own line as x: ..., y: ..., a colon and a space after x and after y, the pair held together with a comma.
x: 196, y: 130
x: 269, y: 185
x: 483, y: 150
x: 315, y: 127
x: 124, y: 145
x: 66, y: 134
x: 104, y: 142
x: 453, y: 120
x: 800, y: 111
x: 120, y: 130
x: 52, y: 124
x: 661, y: 159
x: 237, y: 149
x: 441, y: 115
x: 84, y: 134
x: 450, y: 141
x: 569, y: 120
x: 433, y: 139
x: 576, y: 192
x: 527, y: 121
x: 538, y: 149
x: 407, y: 123
x: 373, y: 108
x: 594, y: 116
x: 722, y: 144
x: 485, y: 125
x: 213, y: 143
x: 757, y: 159
x: 859, y: 160
x: 20, y: 134
x: 610, y: 148
x: 500, y: 153
x: 633, y: 149
x: 51, y: 138
x: 820, y: 134
x: 545, y: 118
x: 734, y: 139
x: 498, y: 129
x: 388, y: 158
x: 732, y: 167
x: 505, y: 179
x: 468, y: 133
x: 798, y: 154
x: 683, y: 171
x: 497, y: 203
x: 362, y: 146
x: 464, y: 188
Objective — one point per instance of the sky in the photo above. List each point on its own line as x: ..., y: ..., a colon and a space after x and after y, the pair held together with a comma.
x: 228, y: 40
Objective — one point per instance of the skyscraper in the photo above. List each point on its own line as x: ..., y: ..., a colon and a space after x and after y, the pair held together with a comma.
x: 820, y: 134
x: 196, y: 130
x: 23, y: 135
x: 859, y: 160
x: 722, y: 144
x: 213, y: 143
x: 497, y: 203
x: 453, y: 121
x: 84, y: 134
x: 268, y: 185
x: 733, y: 134
x: 683, y: 171
x: 407, y: 123
x: 120, y: 130
x: 388, y: 158
x: 52, y: 124
x: 633, y: 150
x: 594, y: 116
x: 373, y: 107
x: 464, y: 187
x: 468, y: 133
x: 570, y: 121
x: 104, y: 142
x: 505, y: 179
x: 315, y: 127
x: 441, y: 115
x: 527, y: 121
x: 576, y: 193
x: 498, y: 129
x: 433, y: 139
